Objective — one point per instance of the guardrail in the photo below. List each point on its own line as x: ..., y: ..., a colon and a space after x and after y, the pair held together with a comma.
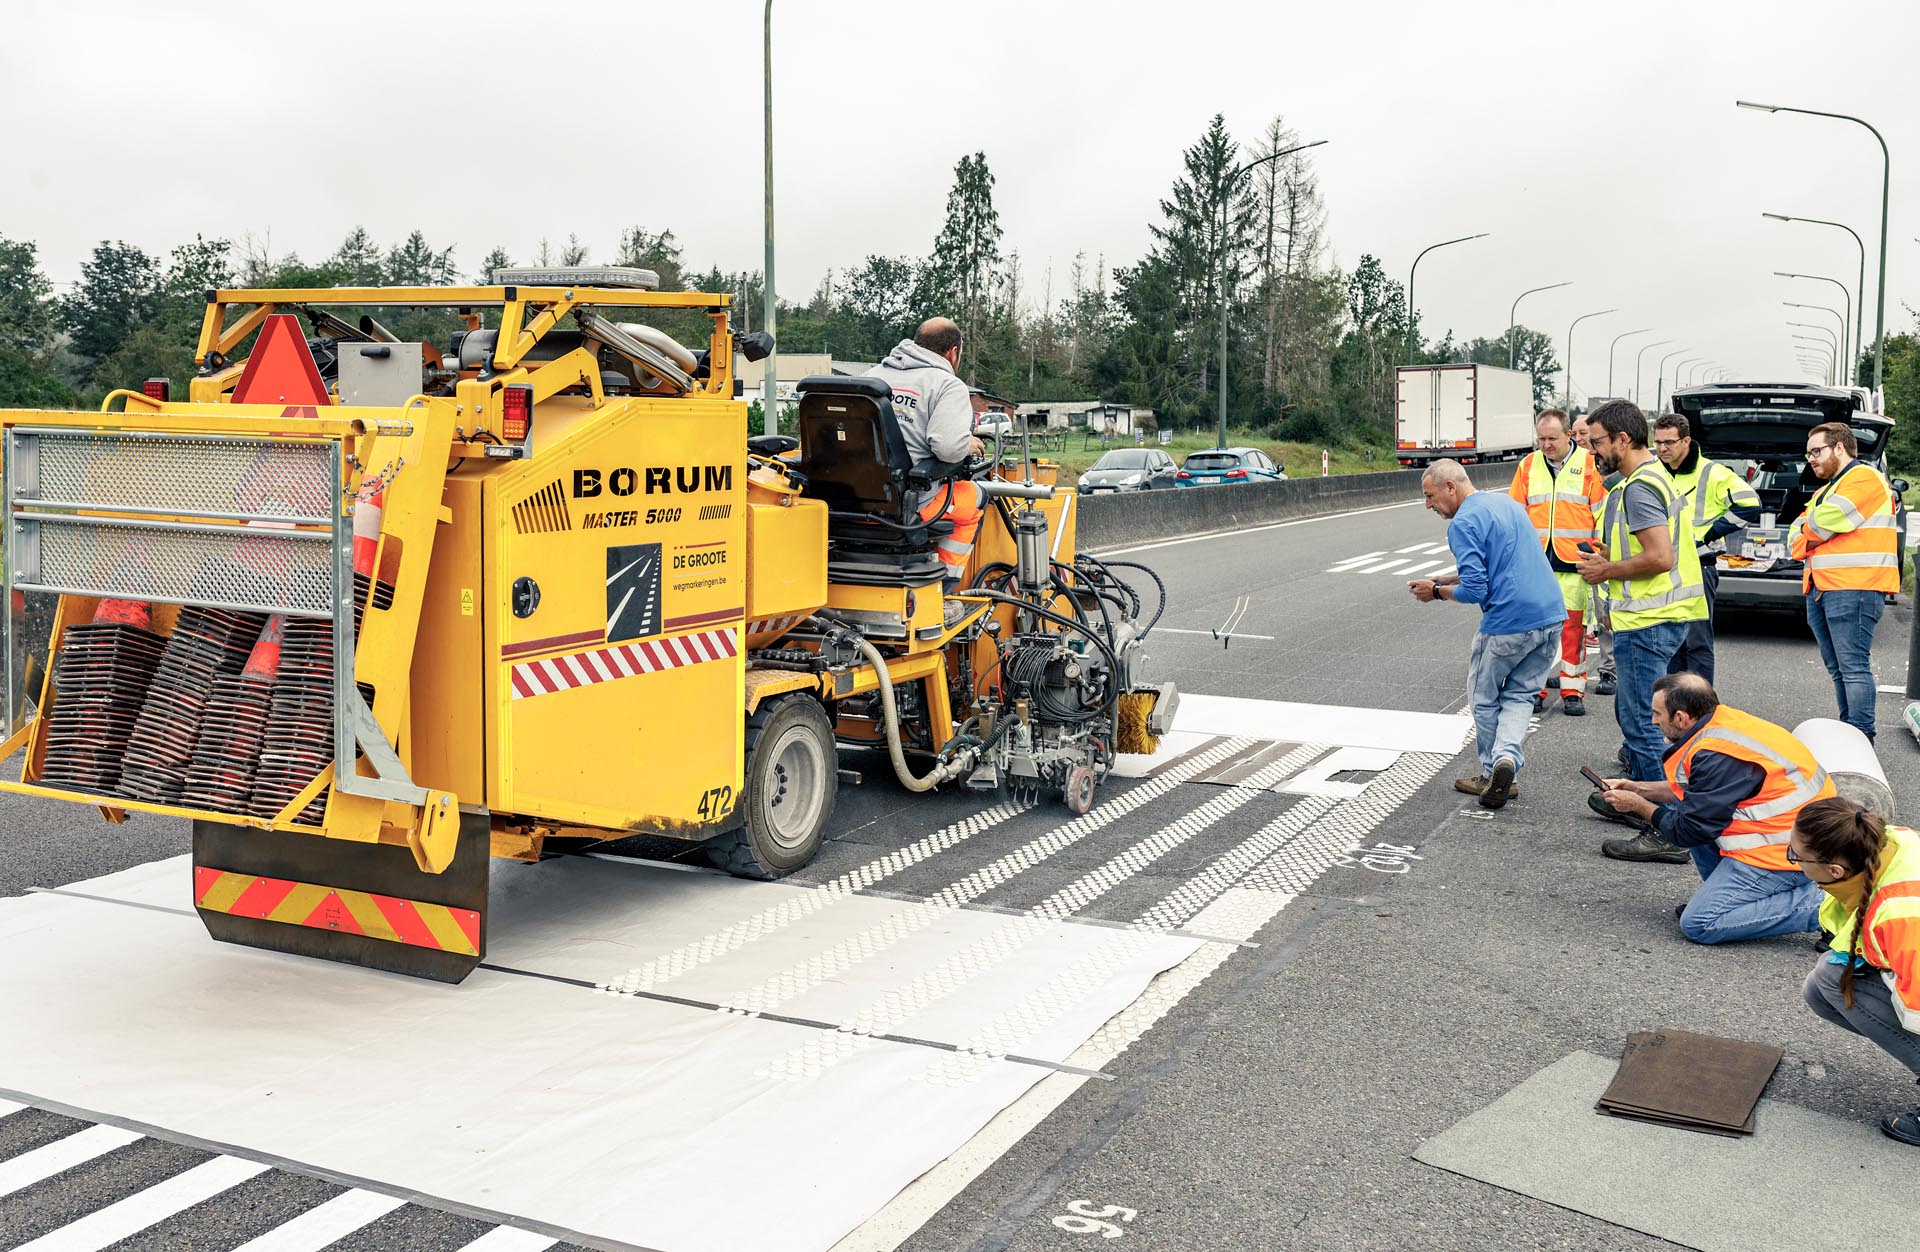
x: 1112, y: 521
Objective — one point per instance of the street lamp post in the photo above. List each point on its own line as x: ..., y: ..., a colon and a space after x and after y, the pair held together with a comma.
x: 1637, y: 357
x: 1859, y: 286
x: 1846, y: 300
x: 1512, y: 312
x: 1566, y: 367
x: 1226, y: 186
x: 1660, y: 378
x: 1692, y: 360
x: 1829, y: 310
x: 770, y: 393
x: 1415, y: 269
x: 1823, y: 346
x: 1615, y: 344
x: 1886, y: 182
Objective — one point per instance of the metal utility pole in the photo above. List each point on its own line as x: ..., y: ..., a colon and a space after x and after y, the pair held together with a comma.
x: 1636, y: 364
x: 1659, y: 380
x: 1226, y: 187
x: 1566, y: 367
x: 1829, y: 310
x: 1846, y: 300
x: 1859, y: 286
x: 1692, y: 360
x: 1516, y: 309
x: 1625, y: 334
x: 1415, y: 269
x: 770, y: 393
x: 1886, y: 182
x: 1824, y: 346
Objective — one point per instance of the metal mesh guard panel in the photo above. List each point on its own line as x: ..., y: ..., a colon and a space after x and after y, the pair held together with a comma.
x: 249, y: 568
x: 214, y: 475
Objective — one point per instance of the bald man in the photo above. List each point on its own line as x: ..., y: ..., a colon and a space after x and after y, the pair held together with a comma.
x: 936, y: 419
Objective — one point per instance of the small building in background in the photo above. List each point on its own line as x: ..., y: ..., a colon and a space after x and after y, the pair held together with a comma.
x: 987, y: 402
x: 1098, y: 416
x: 793, y: 366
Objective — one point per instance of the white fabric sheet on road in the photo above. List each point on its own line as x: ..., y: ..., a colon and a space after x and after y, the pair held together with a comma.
x: 630, y: 1121
x: 1368, y: 738
x: 1801, y: 1180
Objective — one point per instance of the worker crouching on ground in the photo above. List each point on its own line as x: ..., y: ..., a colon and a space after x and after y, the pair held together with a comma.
x: 1559, y: 486
x: 936, y: 419
x: 1651, y: 570
x: 1870, y: 874
x: 1734, y: 784
x: 1500, y: 567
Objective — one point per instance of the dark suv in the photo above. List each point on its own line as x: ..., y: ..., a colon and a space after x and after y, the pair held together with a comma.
x: 1759, y: 430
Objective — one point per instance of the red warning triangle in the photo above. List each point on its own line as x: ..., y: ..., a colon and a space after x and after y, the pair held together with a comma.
x: 281, y: 370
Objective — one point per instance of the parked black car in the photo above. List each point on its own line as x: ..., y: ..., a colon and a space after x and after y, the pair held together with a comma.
x: 1759, y: 430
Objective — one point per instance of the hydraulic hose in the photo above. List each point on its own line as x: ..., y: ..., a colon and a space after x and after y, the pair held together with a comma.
x: 943, y: 771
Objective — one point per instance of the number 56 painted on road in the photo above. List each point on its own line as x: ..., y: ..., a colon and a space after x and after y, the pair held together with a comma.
x: 1087, y: 1220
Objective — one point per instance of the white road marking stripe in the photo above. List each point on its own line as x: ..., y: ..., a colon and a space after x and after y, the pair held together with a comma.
x: 1449, y: 570
x: 1174, y: 630
x: 326, y: 1223
x: 1891, y: 691
x: 1361, y: 559
x: 146, y: 1208
x: 8, y: 1106
x: 733, y: 938
x: 509, y: 1239
x: 62, y: 1154
x: 1415, y: 569
x: 1381, y: 568
x: 1418, y: 547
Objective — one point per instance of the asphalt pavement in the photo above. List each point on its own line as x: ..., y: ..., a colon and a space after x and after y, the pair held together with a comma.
x: 1276, y: 1105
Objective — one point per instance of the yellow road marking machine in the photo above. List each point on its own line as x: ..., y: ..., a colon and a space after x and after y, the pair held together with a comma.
x: 369, y: 612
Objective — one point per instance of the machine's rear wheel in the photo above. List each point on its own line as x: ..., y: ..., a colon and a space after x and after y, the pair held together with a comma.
x: 792, y: 776
x: 1078, y: 791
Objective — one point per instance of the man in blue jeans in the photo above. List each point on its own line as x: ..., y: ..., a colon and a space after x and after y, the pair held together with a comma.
x: 1733, y: 786
x: 1500, y: 566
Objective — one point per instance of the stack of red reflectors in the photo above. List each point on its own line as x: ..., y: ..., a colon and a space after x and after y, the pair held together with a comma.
x: 100, y: 680
x: 220, y: 777
x: 206, y: 644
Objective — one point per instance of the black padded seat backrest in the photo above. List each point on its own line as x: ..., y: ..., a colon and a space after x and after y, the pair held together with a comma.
x: 851, y: 449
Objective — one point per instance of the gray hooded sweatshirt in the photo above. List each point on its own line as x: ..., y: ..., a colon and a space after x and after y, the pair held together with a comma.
x: 932, y: 405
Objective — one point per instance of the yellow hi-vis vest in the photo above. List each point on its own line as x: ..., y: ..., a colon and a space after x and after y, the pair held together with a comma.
x: 1757, y: 833
x: 1849, y: 537
x: 1677, y: 595
x: 1561, y: 505
x: 1891, y: 941
x: 1707, y: 491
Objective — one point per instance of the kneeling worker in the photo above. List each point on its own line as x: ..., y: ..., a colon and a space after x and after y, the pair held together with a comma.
x: 1734, y: 786
x: 936, y: 419
x: 1869, y: 981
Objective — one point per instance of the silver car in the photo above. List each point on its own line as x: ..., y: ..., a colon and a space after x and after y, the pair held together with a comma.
x: 1129, y: 469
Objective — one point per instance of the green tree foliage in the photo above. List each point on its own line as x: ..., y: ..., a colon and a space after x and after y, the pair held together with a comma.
x: 1901, y: 380
x: 28, y: 378
x: 493, y: 263
x: 962, y: 271
x: 415, y: 263
x: 119, y: 288
x: 1532, y: 352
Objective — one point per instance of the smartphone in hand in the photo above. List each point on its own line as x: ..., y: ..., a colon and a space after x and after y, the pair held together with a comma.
x: 1599, y: 783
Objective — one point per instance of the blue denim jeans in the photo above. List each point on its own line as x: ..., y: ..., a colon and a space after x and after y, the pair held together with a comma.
x: 1503, y: 673
x: 1742, y: 901
x: 1695, y: 655
x: 1843, y: 622
x: 1872, y: 1013
x: 1640, y: 657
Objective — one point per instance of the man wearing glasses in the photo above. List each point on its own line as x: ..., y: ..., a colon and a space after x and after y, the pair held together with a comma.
x: 1849, y: 541
x: 1716, y: 503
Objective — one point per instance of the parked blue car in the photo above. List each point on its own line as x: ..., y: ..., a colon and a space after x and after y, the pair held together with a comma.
x: 1226, y: 467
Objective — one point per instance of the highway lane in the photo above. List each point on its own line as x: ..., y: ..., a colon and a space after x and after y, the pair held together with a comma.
x: 1276, y: 1102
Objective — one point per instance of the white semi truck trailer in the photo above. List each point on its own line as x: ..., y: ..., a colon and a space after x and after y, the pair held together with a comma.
x: 1468, y: 412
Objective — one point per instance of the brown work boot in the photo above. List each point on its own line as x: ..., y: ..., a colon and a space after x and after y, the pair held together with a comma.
x: 1475, y: 786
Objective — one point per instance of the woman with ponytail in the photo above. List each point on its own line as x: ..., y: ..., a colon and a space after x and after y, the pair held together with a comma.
x: 1869, y: 981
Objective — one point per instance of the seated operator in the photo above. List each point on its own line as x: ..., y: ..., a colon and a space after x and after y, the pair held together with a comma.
x: 1734, y: 785
x: 936, y: 418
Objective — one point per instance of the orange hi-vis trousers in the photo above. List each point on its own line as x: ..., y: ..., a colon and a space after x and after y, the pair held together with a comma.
x: 1573, y: 655
x: 964, y: 508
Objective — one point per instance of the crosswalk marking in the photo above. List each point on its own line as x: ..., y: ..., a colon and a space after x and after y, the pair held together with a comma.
x: 62, y: 1154
x: 325, y: 1223
x: 1358, y: 560
x: 1415, y: 569
x: 146, y: 1208
x: 509, y: 1239
x: 1380, y: 568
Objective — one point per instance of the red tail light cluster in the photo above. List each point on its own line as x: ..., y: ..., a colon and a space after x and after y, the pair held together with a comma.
x: 1236, y: 473
x: 1183, y: 474
x: 516, y: 412
x: 157, y: 389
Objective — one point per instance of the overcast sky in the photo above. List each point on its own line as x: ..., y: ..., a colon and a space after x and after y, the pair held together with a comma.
x: 1596, y: 143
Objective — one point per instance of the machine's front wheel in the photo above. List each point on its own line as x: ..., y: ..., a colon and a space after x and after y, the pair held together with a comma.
x: 792, y: 775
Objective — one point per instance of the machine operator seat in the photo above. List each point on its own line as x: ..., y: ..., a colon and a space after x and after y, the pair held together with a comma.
x: 855, y: 461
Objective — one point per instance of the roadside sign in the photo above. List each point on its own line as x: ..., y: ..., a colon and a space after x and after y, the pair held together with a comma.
x: 1166, y: 437
x: 1323, y: 462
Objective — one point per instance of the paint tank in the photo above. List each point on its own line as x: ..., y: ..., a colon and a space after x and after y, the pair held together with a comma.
x: 1847, y: 755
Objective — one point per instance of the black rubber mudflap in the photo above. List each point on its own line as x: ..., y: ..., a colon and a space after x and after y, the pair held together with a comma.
x: 381, y: 869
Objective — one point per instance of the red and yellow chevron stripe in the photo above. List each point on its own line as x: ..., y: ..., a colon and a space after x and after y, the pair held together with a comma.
x: 335, y: 908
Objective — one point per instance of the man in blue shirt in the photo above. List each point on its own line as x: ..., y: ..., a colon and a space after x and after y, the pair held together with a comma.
x: 1500, y: 566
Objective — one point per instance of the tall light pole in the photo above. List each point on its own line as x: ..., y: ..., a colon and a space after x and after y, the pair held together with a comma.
x: 1512, y: 312
x: 1415, y: 269
x: 1827, y: 338
x: 1637, y: 357
x: 770, y: 393
x: 1821, y: 345
x: 1886, y: 181
x: 1226, y: 186
x: 1692, y: 360
x: 1644, y: 330
x: 1566, y: 367
x: 1828, y: 309
x: 1859, y: 286
x: 1660, y: 377
x: 1846, y: 301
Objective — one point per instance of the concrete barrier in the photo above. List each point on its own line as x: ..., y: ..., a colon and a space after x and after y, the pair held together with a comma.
x: 1114, y: 521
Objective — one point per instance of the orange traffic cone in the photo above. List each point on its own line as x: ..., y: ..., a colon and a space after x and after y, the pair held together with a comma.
x: 263, y: 663
x: 124, y: 613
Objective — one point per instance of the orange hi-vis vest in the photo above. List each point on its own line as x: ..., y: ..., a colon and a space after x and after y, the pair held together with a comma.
x: 1561, y: 505
x: 1758, y: 832
x: 1849, y: 537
